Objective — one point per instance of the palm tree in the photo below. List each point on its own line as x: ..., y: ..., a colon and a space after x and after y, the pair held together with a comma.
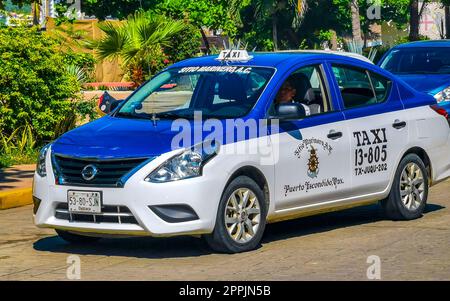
x: 356, y: 23
x: 138, y: 40
x: 415, y: 12
x: 274, y: 7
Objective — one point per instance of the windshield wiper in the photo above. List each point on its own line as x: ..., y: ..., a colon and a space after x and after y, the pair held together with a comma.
x: 169, y: 115
x: 212, y: 116
x: 131, y: 115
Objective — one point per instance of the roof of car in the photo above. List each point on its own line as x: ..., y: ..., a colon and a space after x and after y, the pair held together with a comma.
x: 340, y: 53
x: 271, y: 59
x: 429, y: 43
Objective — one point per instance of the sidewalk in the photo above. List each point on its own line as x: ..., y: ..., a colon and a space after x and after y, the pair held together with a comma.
x: 15, y: 186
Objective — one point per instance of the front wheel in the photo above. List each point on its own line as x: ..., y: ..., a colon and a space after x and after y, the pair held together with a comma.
x: 241, y: 217
x: 409, y: 192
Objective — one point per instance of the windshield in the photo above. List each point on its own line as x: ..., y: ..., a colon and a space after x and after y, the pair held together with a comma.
x: 215, y: 91
x: 418, y: 60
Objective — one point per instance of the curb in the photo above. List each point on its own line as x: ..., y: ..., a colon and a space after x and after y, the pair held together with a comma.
x: 15, y: 198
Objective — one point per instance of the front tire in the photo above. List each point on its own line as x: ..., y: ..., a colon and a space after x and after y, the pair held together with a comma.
x: 76, y: 238
x: 241, y: 217
x: 409, y: 192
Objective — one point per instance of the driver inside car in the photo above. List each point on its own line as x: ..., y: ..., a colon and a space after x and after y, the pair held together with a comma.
x: 287, y: 94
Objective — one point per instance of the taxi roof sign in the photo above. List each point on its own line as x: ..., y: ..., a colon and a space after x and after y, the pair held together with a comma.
x: 234, y: 55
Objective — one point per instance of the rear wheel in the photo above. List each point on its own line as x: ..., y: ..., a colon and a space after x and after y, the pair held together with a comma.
x: 76, y: 238
x: 409, y: 192
x: 241, y: 217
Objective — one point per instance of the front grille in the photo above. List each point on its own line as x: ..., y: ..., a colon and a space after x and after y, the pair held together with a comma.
x: 110, y: 172
x: 110, y: 214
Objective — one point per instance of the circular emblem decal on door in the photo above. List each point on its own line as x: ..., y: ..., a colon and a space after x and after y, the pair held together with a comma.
x: 89, y: 172
x: 313, y: 163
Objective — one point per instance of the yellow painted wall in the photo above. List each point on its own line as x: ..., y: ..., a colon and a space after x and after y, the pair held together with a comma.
x: 106, y: 71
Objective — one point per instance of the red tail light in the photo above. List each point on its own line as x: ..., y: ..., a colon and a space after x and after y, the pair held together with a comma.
x: 440, y: 111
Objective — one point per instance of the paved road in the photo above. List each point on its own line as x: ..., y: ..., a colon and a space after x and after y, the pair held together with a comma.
x: 333, y: 246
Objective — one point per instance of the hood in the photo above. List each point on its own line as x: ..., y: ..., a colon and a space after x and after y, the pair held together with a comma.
x: 111, y: 137
x: 428, y: 83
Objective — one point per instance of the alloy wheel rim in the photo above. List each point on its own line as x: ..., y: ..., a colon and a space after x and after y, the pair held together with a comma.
x: 412, y: 186
x: 242, y: 215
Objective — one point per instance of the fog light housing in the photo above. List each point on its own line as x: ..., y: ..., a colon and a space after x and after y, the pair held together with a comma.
x: 36, y: 204
x: 174, y: 213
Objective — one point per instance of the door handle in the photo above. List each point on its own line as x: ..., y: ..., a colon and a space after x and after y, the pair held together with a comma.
x: 398, y: 124
x: 334, y: 135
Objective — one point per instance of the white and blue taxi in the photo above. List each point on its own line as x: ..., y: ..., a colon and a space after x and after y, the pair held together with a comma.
x: 220, y: 146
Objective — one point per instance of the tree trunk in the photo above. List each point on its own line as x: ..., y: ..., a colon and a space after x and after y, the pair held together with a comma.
x: 356, y: 23
x: 414, y: 20
x: 293, y: 37
x: 333, y: 39
x: 447, y: 22
x: 35, y: 7
x: 274, y: 32
x: 205, y: 40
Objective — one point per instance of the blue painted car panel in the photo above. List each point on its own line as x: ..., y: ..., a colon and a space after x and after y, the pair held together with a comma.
x: 430, y: 83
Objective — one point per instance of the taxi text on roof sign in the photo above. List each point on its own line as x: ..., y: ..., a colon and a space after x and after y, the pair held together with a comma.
x: 234, y: 55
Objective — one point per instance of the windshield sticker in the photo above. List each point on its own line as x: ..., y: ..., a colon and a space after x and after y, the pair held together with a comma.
x: 227, y: 69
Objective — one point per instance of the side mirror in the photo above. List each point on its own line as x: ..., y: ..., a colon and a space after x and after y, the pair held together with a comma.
x: 107, y: 103
x: 115, y: 104
x: 286, y: 111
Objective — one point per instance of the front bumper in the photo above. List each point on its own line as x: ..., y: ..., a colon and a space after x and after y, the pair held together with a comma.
x: 201, y: 194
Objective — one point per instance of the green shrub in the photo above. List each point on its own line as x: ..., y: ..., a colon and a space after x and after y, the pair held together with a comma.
x: 184, y: 45
x: 82, y: 60
x: 82, y: 111
x: 35, y: 85
x: 18, y: 148
x: 16, y: 157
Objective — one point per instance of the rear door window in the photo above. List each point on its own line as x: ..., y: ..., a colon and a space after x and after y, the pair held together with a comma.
x: 360, y: 87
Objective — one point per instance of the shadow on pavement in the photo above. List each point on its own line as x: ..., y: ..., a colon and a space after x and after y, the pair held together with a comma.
x: 139, y: 247
x: 187, y: 246
x: 330, y: 221
x: 10, y: 176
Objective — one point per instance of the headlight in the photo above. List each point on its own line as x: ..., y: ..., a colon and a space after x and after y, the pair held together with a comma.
x: 40, y: 166
x: 444, y: 95
x: 186, y: 165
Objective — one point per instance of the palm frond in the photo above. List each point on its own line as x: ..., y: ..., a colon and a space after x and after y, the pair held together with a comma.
x: 138, y: 37
x: 300, y: 6
x: 114, y: 41
x: 79, y: 73
x: 264, y: 6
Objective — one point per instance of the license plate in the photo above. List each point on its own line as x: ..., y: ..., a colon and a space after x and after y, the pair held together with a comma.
x: 84, y: 201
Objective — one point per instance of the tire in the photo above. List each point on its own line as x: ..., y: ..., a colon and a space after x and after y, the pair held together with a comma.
x: 76, y: 238
x: 411, y: 206
x: 226, y: 237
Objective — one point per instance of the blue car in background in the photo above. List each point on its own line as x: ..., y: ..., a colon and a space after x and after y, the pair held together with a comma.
x: 425, y: 65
